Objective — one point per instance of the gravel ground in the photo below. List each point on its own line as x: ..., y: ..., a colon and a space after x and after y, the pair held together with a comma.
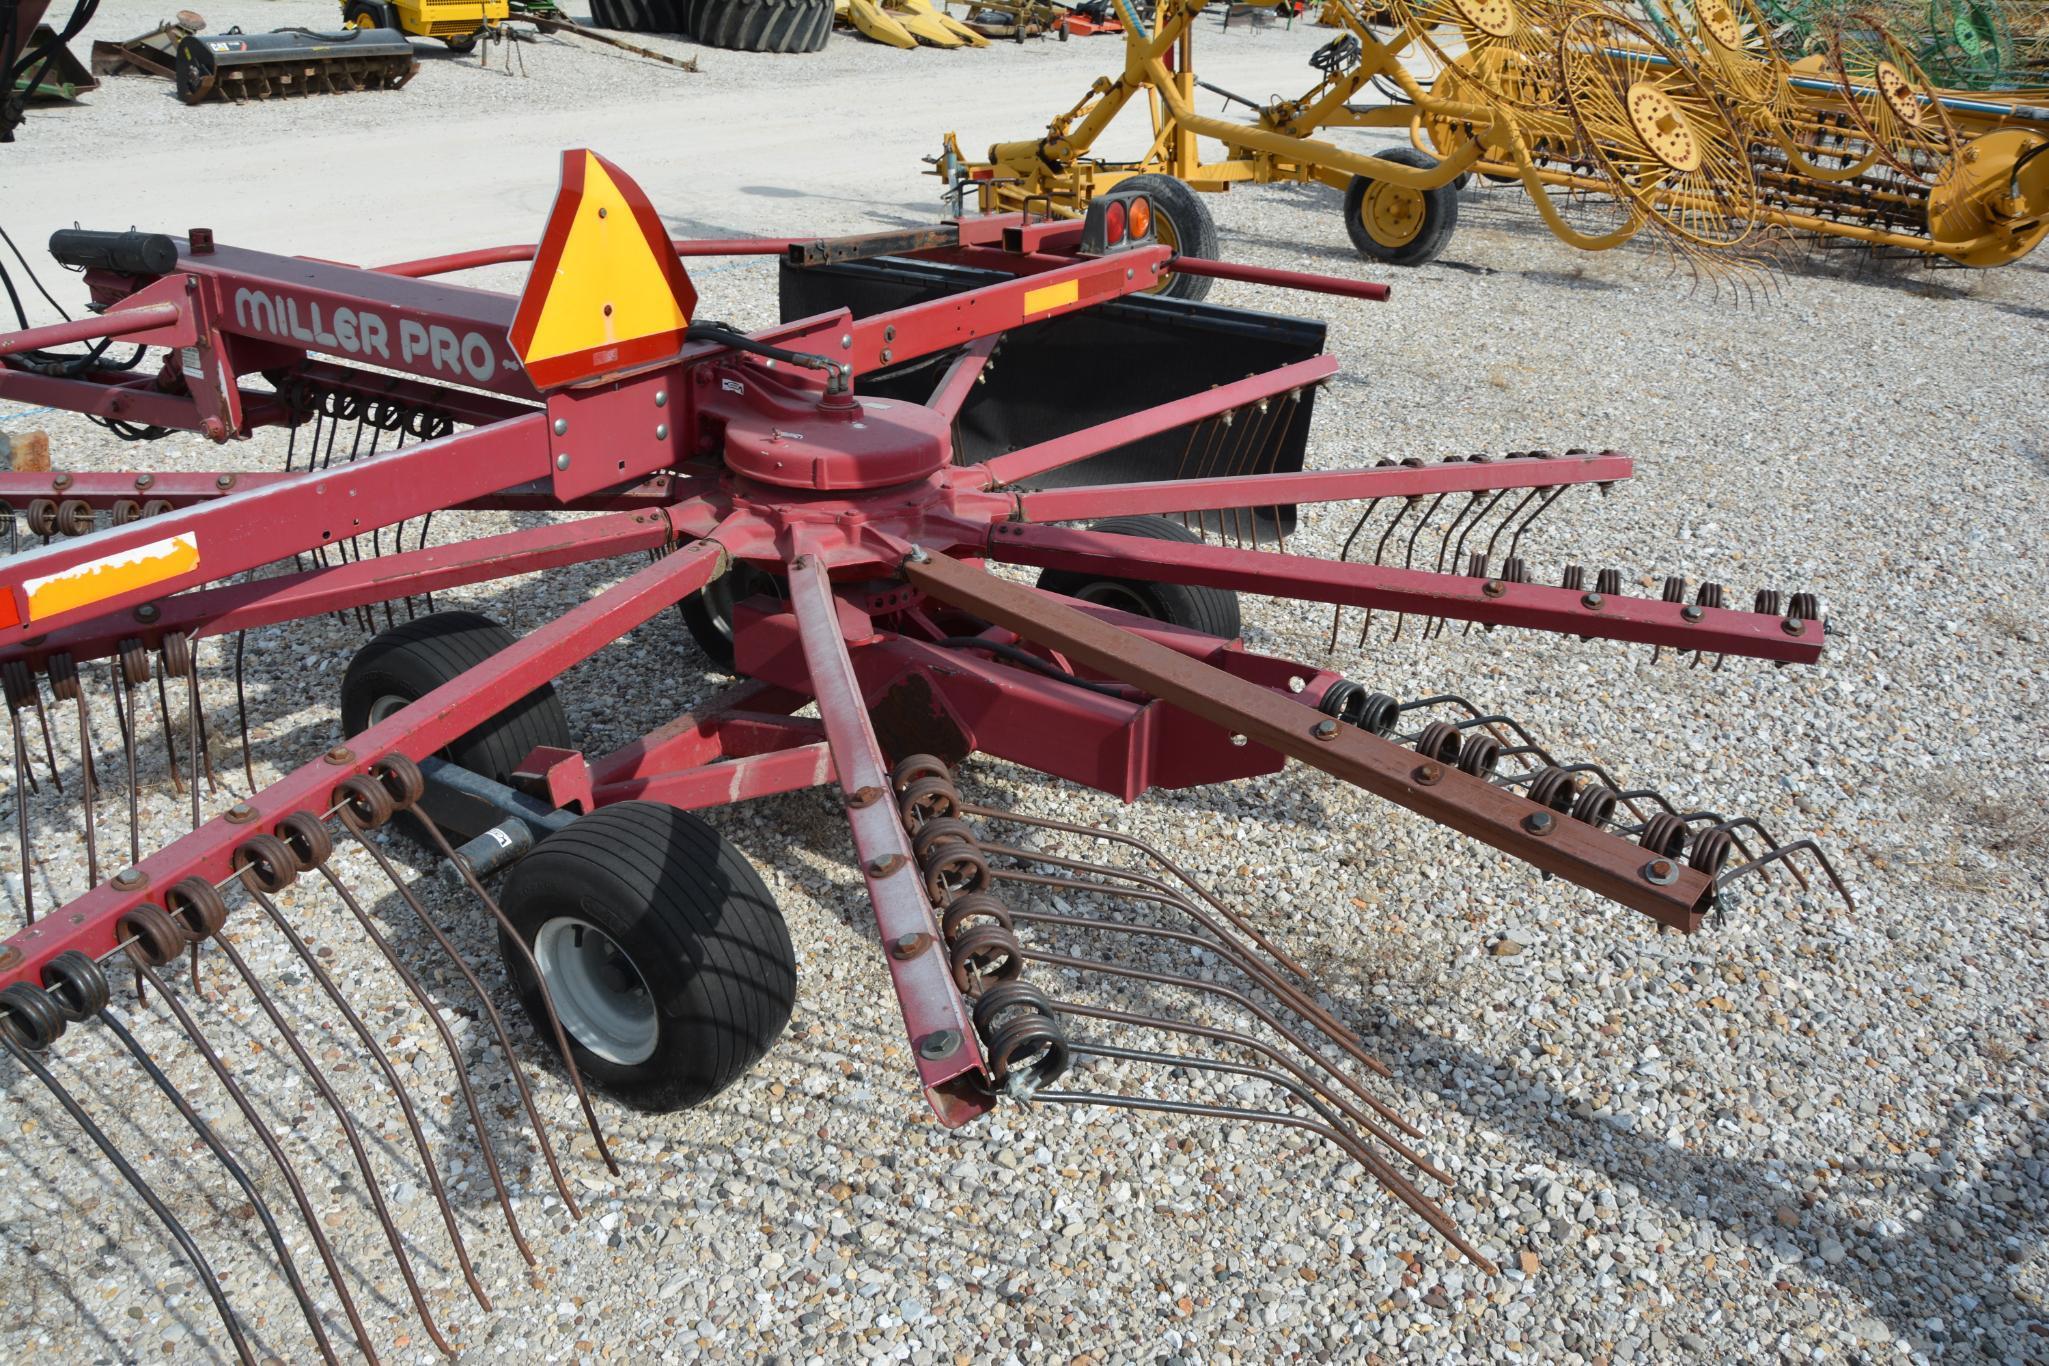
x: 1807, y: 1133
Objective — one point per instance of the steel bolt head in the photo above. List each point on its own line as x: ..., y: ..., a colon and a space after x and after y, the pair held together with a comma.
x: 1326, y: 729
x: 241, y: 813
x: 908, y: 945
x: 940, y: 1043
x: 60, y: 481
x: 1539, y: 822
x: 143, y: 481
x: 149, y: 611
x: 1691, y: 613
x: 1592, y: 602
x: 1429, y: 774
x: 129, y: 878
x: 341, y: 754
x: 1661, y: 871
x: 846, y: 341
x: 1793, y: 626
x: 661, y: 398
x: 225, y: 481
x: 885, y: 355
x: 661, y: 431
x: 562, y: 461
x: 1493, y: 588
x: 561, y: 426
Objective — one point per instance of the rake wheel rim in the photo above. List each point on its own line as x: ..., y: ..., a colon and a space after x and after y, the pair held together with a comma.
x: 586, y: 971
x: 1392, y: 214
x: 1883, y: 121
x: 1603, y: 59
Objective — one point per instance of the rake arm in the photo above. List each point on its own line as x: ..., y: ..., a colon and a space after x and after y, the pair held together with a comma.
x: 1415, y: 591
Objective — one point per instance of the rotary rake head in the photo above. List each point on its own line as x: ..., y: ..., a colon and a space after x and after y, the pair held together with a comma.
x: 818, y: 498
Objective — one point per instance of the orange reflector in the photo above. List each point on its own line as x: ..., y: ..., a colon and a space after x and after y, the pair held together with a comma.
x: 983, y: 173
x: 606, y: 292
x: 110, y: 576
x: 1141, y: 215
x: 1113, y: 223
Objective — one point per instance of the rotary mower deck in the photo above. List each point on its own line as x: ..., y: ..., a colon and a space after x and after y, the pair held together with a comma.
x: 820, y: 497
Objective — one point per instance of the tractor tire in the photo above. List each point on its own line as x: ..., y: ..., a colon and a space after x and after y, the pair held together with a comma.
x: 1400, y: 227
x: 686, y: 17
x: 764, y: 25
x: 666, y: 959
x: 1181, y: 221
x: 370, y: 14
x: 412, y: 659
x: 661, y: 16
x: 1212, y: 611
x: 465, y: 44
x: 604, y: 14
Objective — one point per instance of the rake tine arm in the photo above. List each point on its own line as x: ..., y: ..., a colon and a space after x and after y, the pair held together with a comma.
x: 943, y: 1039
x: 959, y: 380
x: 417, y: 730
x: 65, y: 582
x: 1579, y: 853
x: 1318, y: 486
x: 182, y: 488
x: 1031, y: 461
x: 254, y: 603
x: 1418, y: 591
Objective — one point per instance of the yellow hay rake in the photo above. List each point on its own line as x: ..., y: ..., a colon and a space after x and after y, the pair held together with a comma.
x: 1700, y: 129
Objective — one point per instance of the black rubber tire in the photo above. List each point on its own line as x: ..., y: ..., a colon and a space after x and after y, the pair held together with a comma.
x: 708, y: 613
x: 661, y: 16
x: 603, y: 15
x: 1212, y: 611
x: 686, y: 17
x: 414, y: 658
x: 1188, y: 219
x: 764, y: 25
x: 1440, y: 216
x: 381, y: 15
x: 692, y: 915
x: 464, y: 45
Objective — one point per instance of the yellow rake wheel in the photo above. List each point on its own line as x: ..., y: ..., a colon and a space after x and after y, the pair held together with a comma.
x: 1997, y: 190
x: 1889, y: 98
x: 1657, y: 133
x: 1511, y: 44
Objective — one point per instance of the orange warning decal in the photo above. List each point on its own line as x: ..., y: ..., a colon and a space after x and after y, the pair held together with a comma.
x: 110, y: 576
x: 606, y: 292
x: 1051, y: 296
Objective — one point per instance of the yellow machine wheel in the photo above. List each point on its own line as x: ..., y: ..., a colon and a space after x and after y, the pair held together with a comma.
x: 370, y: 14
x: 1397, y: 225
x: 2000, y: 185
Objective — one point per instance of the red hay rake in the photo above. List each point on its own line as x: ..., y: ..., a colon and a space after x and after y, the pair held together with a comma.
x: 820, y: 498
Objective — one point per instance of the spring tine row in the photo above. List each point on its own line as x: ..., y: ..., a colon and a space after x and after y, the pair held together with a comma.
x: 28, y: 1059
x: 1479, y: 741
x: 1024, y: 1029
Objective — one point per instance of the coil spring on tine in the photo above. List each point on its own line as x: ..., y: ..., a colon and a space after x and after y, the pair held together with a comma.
x: 953, y: 870
x: 124, y: 511
x: 1674, y: 589
x: 156, y: 507
x: 1804, y: 607
x: 975, y: 906
x: 63, y: 674
x: 1595, y: 805
x: 1574, y: 579
x: 1664, y: 834
x: 176, y: 650
x: 1554, y: 788
x: 41, y: 519
x: 1709, y: 594
x: 1515, y: 569
x: 928, y: 799
x: 932, y: 834
x: 17, y: 684
x: 306, y: 840
x: 265, y: 863
x: 1480, y: 755
x: 77, y: 984
x: 1476, y: 564
x: 983, y: 953
x: 134, y: 660
x: 1768, y: 602
x: 1711, y: 849
x: 152, y: 934
x: 199, y: 905
x: 1608, y: 583
x: 1441, y: 741
x: 1021, y: 1036
x: 401, y: 779
x: 74, y: 517
x: 912, y: 767
x: 364, y: 802
x: 31, y: 1017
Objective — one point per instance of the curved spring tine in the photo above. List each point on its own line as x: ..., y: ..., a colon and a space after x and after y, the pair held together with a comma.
x: 1237, y: 921
x: 1278, y: 1058
x: 448, y: 1039
x: 88, y: 780
x: 1551, y: 495
x: 372, y: 1187
x: 261, y: 1128
x: 1387, y: 1176
x: 398, y: 1089
x: 236, y: 1171
x: 1458, y: 551
x: 1292, y: 997
x: 1783, y: 854
x: 1380, y: 551
x: 1345, y: 553
x: 1202, y: 988
x: 462, y: 866
x: 126, y: 716
x: 23, y: 785
x: 170, y: 745
x: 526, y: 1095
x: 242, y: 710
x: 1444, y: 546
x: 141, y: 1188
x: 49, y: 749
x: 1409, y: 552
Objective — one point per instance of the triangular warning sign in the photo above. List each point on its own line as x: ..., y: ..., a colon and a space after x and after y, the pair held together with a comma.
x: 606, y: 292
